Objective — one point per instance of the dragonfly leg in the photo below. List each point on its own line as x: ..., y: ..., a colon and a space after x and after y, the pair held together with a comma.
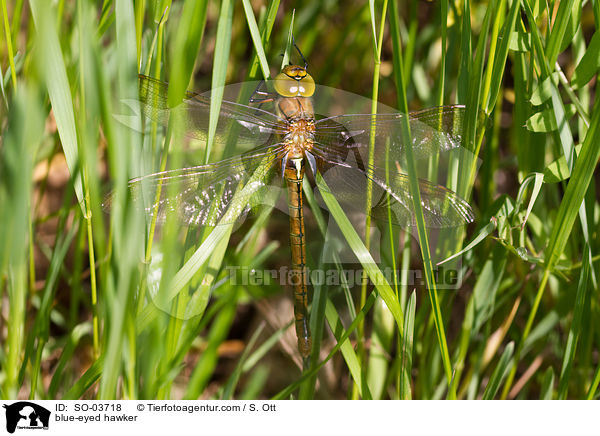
x: 259, y: 97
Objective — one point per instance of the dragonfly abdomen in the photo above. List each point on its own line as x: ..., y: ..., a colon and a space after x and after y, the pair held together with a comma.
x: 294, y: 175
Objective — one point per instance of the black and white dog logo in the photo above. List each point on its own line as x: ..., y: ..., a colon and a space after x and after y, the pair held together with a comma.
x: 26, y: 415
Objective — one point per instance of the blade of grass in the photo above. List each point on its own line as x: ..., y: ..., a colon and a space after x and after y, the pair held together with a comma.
x: 237, y: 372
x: 350, y: 357
x: 499, y: 373
x: 119, y: 299
x: 218, y: 235
x: 42, y: 325
x: 57, y: 82
x: 256, y: 39
x: 9, y: 45
x: 219, y: 72
x: 589, y: 64
x: 285, y: 393
x: 594, y: 385
x: 19, y: 141
x: 377, y: 46
x: 565, y: 218
x: 497, y: 72
x: 402, y: 101
x: 547, y: 385
x: 476, y: 82
x: 407, y: 348
x: 439, y: 100
x: 381, y: 341
x: 426, y: 256
x: 265, y: 35
x: 464, y: 71
x: 558, y: 30
x: 479, y: 308
x: 575, y: 330
x: 208, y: 359
x: 287, y: 54
x: 323, y: 308
x: 361, y: 252
x: 58, y: 379
x: 188, y: 38
x: 420, y: 225
x: 86, y: 381
x: 85, y: 65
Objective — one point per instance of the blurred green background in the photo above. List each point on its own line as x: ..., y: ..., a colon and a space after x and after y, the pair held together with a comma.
x: 79, y: 310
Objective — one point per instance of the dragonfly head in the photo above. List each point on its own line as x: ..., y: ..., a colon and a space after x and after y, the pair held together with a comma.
x: 294, y: 81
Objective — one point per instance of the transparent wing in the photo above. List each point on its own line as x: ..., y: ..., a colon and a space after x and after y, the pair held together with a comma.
x: 210, y: 195
x: 342, y: 153
x: 432, y: 131
x: 441, y: 206
x: 255, y: 126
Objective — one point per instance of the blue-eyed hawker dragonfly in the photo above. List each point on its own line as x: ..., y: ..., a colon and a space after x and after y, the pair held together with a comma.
x: 289, y: 142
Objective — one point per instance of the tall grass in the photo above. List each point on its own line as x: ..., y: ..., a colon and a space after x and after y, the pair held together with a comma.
x: 102, y: 306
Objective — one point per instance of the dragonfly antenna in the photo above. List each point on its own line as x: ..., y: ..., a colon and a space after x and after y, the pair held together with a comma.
x: 299, y: 52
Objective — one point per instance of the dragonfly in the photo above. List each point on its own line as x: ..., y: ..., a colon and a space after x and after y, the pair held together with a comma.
x: 290, y: 142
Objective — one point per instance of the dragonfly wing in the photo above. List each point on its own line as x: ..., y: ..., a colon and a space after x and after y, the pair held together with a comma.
x: 254, y: 126
x: 209, y: 195
x: 432, y: 131
x: 391, y: 198
x: 342, y: 152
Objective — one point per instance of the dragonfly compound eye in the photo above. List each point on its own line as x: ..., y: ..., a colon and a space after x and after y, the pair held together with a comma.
x: 294, y: 81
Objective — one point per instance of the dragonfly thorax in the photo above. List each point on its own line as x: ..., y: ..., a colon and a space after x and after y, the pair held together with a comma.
x: 295, y: 108
x: 299, y: 138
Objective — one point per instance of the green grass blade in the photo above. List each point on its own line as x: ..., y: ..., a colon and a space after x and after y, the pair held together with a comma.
x: 42, y: 322
x: 237, y: 372
x: 19, y: 144
x: 287, y: 53
x: 547, y: 385
x: 86, y: 381
x: 381, y: 341
x: 407, y: 348
x: 464, y: 72
x: 322, y: 308
x: 265, y: 35
x: 208, y: 360
x: 559, y: 28
x: 499, y: 373
x: 185, y: 47
x: 420, y: 223
x: 594, y: 385
x: 575, y: 330
x: 581, y: 177
x: 481, y: 236
x: 589, y: 64
x: 285, y: 393
x: 256, y: 39
x: 398, y: 58
x: 377, y: 44
x: 497, y: 72
x: 219, y: 72
x: 361, y: 252
x: 543, y: 92
x: 558, y: 170
x: 9, y: 45
x: 119, y: 302
x: 53, y: 64
x: 350, y: 357
x: 545, y: 121
x: 134, y: 338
